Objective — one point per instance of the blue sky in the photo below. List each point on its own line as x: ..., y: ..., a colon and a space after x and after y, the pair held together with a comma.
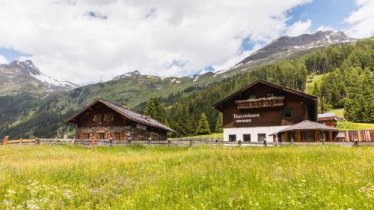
x: 88, y: 40
x: 330, y: 13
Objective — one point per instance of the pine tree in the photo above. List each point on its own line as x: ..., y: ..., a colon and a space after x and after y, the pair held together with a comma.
x: 203, y: 127
x: 156, y: 110
x: 219, y: 124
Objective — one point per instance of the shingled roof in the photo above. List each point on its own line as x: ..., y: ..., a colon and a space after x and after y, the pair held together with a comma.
x: 125, y: 112
x: 308, y: 125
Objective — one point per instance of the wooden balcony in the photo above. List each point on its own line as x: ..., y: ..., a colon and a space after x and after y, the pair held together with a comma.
x: 260, y: 103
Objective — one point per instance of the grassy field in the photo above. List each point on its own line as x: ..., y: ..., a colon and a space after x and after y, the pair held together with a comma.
x: 72, y: 177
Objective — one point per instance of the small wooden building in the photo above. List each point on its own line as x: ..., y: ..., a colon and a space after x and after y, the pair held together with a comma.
x: 329, y: 119
x: 306, y: 131
x: 106, y: 120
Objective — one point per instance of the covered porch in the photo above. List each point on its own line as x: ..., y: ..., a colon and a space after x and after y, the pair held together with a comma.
x: 306, y: 131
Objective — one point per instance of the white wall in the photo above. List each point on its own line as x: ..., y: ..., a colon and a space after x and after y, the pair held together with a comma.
x: 253, y: 131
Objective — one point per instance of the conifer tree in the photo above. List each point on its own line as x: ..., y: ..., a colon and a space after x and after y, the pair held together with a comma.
x: 203, y: 127
x: 219, y: 124
x: 155, y: 110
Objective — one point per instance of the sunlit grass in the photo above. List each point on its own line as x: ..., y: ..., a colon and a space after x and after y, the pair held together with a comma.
x: 73, y: 177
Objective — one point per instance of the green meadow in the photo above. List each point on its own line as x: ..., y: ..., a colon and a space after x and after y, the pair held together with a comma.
x: 139, y: 177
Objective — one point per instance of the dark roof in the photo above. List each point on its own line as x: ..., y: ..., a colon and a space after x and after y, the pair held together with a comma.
x: 286, y: 89
x: 308, y: 125
x: 125, y: 112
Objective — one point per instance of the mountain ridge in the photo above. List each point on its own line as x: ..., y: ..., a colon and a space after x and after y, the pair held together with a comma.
x: 23, y: 76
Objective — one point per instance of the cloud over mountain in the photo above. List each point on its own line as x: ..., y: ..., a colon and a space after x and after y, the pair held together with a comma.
x: 86, y: 40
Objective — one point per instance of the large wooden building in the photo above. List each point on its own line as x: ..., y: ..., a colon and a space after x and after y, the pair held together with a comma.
x: 262, y: 109
x: 106, y: 120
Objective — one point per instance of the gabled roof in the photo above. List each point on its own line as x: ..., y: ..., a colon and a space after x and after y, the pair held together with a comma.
x: 286, y: 89
x: 125, y: 112
x: 328, y: 116
x: 308, y: 125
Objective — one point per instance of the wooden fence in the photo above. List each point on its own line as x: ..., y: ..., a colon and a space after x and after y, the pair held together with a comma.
x: 358, y: 135
x: 175, y: 142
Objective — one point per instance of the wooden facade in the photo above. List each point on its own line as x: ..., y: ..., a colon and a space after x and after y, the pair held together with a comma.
x: 105, y: 120
x: 262, y: 108
x: 266, y: 104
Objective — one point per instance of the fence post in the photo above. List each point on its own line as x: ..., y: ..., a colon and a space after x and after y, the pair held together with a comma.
x: 110, y: 142
x: 190, y: 142
x: 265, y: 143
x: 355, y: 142
x: 5, y: 140
x: 168, y: 143
x: 216, y: 142
x: 240, y: 143
x: 37, y: 141
x: 129, y: 141
x: 149, y: 142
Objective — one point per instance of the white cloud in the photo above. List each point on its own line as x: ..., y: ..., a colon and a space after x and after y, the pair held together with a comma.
x: 3, y: 60
x: 362, y: 20
x: 326, y: 28
x: 85, y: 40
x: 299, y: 27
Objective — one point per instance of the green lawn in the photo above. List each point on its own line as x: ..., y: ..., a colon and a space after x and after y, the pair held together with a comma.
x: 137, y: 177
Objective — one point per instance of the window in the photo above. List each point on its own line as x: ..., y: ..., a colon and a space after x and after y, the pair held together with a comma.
x: 108, y: 117
x: 287, y: 113
x: 261, y: 137
x: 232, y: 137
x: 101, y: 135
x: 246, y: 137
x: 308, y: 136
x: 117, y: 136
x: 252, y: 96
x: 269, y: 95
x: 97, y: 118
x: 85, y: 136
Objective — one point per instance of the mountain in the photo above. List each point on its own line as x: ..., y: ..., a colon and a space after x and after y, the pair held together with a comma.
x: 134, y: 89
x: 285, y: 46
x: 135, y: 73
x: 23, y: 76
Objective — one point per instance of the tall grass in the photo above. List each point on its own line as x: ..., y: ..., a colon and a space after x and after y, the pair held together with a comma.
x: 73, y: 177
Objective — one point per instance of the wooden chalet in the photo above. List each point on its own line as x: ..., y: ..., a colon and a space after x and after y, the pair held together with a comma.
x: 263, y: 108
x: 329, y: 119
x: 103, y: 119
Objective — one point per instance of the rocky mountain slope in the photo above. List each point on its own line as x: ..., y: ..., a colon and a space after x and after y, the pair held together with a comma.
x: 23, y: 76
x: 285, y: 46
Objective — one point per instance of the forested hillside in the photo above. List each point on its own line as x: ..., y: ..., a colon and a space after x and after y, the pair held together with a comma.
x: 346, y: 81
